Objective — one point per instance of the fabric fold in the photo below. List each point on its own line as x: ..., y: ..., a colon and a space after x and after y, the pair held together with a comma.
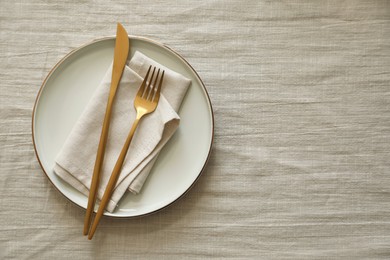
x: 75, y: 162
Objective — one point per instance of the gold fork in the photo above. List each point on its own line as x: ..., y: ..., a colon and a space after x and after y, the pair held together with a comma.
x: 145, y: 102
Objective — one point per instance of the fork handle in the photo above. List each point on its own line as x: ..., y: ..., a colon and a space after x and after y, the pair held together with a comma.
x: 114, y: 177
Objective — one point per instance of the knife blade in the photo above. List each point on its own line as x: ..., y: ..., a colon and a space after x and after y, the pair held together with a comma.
x: 121, y: 52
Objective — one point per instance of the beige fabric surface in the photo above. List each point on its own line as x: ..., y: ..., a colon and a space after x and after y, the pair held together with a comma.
x: 300, y: 165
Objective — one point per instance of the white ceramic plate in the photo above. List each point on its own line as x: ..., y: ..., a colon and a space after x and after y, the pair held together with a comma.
x: 66, y: 91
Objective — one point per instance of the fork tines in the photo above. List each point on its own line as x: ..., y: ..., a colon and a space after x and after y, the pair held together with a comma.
x: 151, y: 92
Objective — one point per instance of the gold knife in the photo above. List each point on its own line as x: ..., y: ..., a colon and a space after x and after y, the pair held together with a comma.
x: 120, y: 57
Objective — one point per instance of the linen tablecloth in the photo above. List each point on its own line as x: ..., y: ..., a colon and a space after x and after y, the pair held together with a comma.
x: 300, y: 164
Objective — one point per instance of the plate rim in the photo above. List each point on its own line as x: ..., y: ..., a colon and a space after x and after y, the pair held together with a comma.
x: 142, y: 38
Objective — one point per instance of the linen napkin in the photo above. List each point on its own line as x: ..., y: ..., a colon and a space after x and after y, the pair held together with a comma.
x: 75, y: 162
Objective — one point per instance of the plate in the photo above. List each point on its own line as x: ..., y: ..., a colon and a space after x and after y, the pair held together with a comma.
x: 65, y: 93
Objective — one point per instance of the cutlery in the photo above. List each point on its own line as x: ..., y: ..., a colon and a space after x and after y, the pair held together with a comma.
x: 145, y: 103
x: 120, y: 56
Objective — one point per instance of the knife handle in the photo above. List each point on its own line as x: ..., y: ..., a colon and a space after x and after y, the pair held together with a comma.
x: 98, y: 166
x: 121, y: 52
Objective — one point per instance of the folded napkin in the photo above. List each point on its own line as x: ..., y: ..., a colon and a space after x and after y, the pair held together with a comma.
x: 76, y: 160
